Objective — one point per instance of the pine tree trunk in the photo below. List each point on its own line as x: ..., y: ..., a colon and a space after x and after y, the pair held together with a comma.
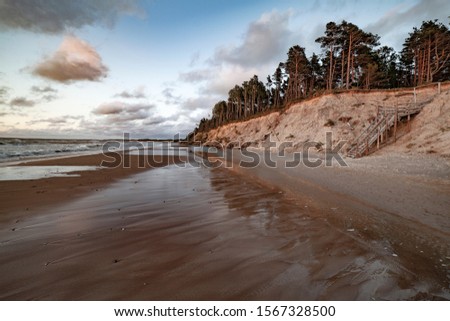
x: 330, y: 76
x: 348, y: 60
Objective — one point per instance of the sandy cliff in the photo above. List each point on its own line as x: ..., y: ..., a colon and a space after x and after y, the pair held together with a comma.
x: 346, y: 115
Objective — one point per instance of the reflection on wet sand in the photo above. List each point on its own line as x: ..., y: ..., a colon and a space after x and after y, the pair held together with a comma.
x: 191, y: 233
x: 9, y: 173
x: 333, y: 265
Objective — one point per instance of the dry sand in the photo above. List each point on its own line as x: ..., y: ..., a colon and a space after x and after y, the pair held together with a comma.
x: 194, y: 233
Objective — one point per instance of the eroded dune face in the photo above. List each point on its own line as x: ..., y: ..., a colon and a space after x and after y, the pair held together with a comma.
x: 346, y: 116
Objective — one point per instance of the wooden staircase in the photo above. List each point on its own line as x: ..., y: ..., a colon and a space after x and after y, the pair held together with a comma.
x: 377, y: 132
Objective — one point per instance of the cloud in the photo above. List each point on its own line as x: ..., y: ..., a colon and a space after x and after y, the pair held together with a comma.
x: 167, y: 126
x: 56, y: 121
x: 194, y: 59
x: 58, y: 16
x: 139, y: 120
x: 49, y: 98
x: 264, y: 44
x: 204, y: 102
x: 43, y: 90
x: 4, y: 93
x: 117, y: 117
x: 171, y: 98
x: 137, y: 94
x: 196, y: 76
x: 22, y: 102
x: 155, y: 120
x: 126, y: 117
x: 229, y: 76
x: 117, y: 107
x: 46, y: 93
x: 73, y: 61
x: 264, y: 40
x: 109, y: 109
x: 402, y: 15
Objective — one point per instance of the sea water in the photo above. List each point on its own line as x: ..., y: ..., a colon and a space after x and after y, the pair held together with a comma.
x: 16, y: 149
x: 12, y: 149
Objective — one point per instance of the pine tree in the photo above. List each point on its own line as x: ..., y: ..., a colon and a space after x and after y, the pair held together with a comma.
x: 426, y: 53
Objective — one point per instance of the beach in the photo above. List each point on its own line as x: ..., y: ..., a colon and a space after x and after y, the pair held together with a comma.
x: 27, y: 195
x: 177, y: 230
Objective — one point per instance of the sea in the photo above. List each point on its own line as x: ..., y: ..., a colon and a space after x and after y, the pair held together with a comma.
x: 13, y: 149
x: 18, y: 149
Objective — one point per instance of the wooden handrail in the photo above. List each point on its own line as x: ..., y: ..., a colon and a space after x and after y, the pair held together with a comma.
x: 387, y: 117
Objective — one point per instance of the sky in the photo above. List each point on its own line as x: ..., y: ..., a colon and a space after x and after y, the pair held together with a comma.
x: 153, y: 69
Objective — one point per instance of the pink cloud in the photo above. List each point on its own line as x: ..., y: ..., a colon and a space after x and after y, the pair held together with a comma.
x: 74, y: 60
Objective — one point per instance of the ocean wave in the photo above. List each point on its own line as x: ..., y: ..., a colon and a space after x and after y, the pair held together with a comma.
x: 18, y: 148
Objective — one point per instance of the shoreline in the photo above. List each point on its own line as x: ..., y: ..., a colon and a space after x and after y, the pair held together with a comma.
x: 20, y: 197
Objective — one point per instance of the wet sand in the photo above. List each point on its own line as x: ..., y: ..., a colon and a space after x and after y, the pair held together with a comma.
x: 194, y: 233
x: 24, y: 197
x: 395, y: 205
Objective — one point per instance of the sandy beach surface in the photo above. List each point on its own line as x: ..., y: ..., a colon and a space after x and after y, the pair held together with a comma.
x: 188, y: 232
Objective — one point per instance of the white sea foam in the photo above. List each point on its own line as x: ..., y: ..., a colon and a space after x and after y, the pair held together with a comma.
x: 12, y: 149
